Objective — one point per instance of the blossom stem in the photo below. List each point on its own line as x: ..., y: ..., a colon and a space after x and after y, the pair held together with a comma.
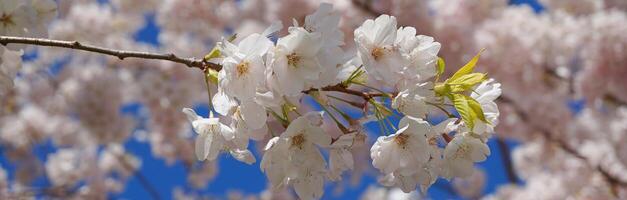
x: 448, y: 114
x: 387, y: 119
x: 339, y: 125
x: 121, y: 54
x: 206, y: 74
x: 354, y: 104
x: 373, y: 88
x: 344, y: 115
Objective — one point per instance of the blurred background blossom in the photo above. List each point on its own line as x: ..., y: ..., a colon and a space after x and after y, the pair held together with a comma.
x: 78, y: 125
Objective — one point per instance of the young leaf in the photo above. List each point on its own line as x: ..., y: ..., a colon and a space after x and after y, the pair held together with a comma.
x: 441, y: 65
x: 476, y: 108
x: 214, y: 53
x: 463, y: 108
x: 466, y: 82
x: 466, y: 69
x: 212, y: 76
x: 468, y: 108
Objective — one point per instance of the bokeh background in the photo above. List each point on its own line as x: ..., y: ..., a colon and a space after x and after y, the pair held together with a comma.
x: 164, y: 26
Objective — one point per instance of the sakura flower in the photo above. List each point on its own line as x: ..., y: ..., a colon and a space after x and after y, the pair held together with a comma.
x: 303, y: 133
x: 65, y: 167
x: 213, y: 138
x: 10, y: 64
x: 381, y: 193
x: 243, y: 67
x: 375, y: 40
x: 325, y: 22
x: 404, y: 151
x: 15, y: 17
x: 406, y: 183
x: 421, y: 52
x: 295, y: 60
x: 293, y: 159
x: 46, y: 11
x: 414, y: 100
x: 461, y: 153
x: 273, y: 163
x: 486, y: 93
x: 340, y: 157
x: 250, y: 113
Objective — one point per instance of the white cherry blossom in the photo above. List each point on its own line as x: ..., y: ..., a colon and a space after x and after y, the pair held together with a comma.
x: 375, y: 40
x: 293, y: 159
x: 295, y: 61
x: 243, y: 67
x: 461, y: 153
x: 215, y: 137
x: 340, y: 156
x: 486, y: 93
x: 414, y: 100
x: 16, y: 17
x: 405, y: 151
x: 10, y: 64
x: 421, y: 52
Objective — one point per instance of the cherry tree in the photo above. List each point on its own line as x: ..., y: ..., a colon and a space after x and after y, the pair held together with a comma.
x: 303, y: 83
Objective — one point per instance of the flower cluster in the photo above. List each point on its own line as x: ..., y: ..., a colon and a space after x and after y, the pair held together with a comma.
x: 373, y: 75
x: 21, y: 18
x: 261, y: 83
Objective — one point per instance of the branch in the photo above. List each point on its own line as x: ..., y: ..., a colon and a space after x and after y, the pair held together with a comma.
x: 142, y: 179
x: 613, y: 181
x: 121, y: 54
x: 343, y: 89
x: 366, y: 7
x: 507, y: 161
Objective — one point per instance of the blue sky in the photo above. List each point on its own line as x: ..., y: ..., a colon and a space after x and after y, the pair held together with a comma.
x: 234, y: 175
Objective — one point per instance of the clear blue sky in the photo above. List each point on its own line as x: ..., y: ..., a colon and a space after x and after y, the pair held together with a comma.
x: 234, y: 175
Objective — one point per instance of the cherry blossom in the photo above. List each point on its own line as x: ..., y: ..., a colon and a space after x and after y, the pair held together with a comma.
x: 215, y: 137
x: 551, y: 79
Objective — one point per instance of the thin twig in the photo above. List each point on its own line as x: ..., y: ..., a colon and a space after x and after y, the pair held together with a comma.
x: 142, y: 179
x: 121, y: 54
x: 507, y: 161
x: 613, y: 181
x: 366, y: 7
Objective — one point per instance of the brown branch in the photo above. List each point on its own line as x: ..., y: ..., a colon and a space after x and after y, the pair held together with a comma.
x: 613, y: 181
x: 121, y: 54
x: 142, y: 179
x: 343, y: 89
x: 507, y: 161
x: 366, y: 7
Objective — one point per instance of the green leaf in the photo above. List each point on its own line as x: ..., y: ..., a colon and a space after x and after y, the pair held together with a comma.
x: 468, y: 108
x: 476, y: 107
x: 466, y: 82
x: 441, y: 65
x: 214, y: 53
x: 463, y: 108
x: 466, y: 69
x: 212, y: 76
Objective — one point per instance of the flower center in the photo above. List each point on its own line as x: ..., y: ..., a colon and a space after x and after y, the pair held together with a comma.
x: 377, y: 53
x: 432, y: 141
x: 6, y: 20
x: 293, y: 59
x: 462, y: 151
x: 242, y: 68
x: 401, y: 140
x: 298, y: 141
x: 214, y: 128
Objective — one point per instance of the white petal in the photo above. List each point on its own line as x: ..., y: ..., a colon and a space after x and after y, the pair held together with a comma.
x: 253, y: 114
x: 244, y: 156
